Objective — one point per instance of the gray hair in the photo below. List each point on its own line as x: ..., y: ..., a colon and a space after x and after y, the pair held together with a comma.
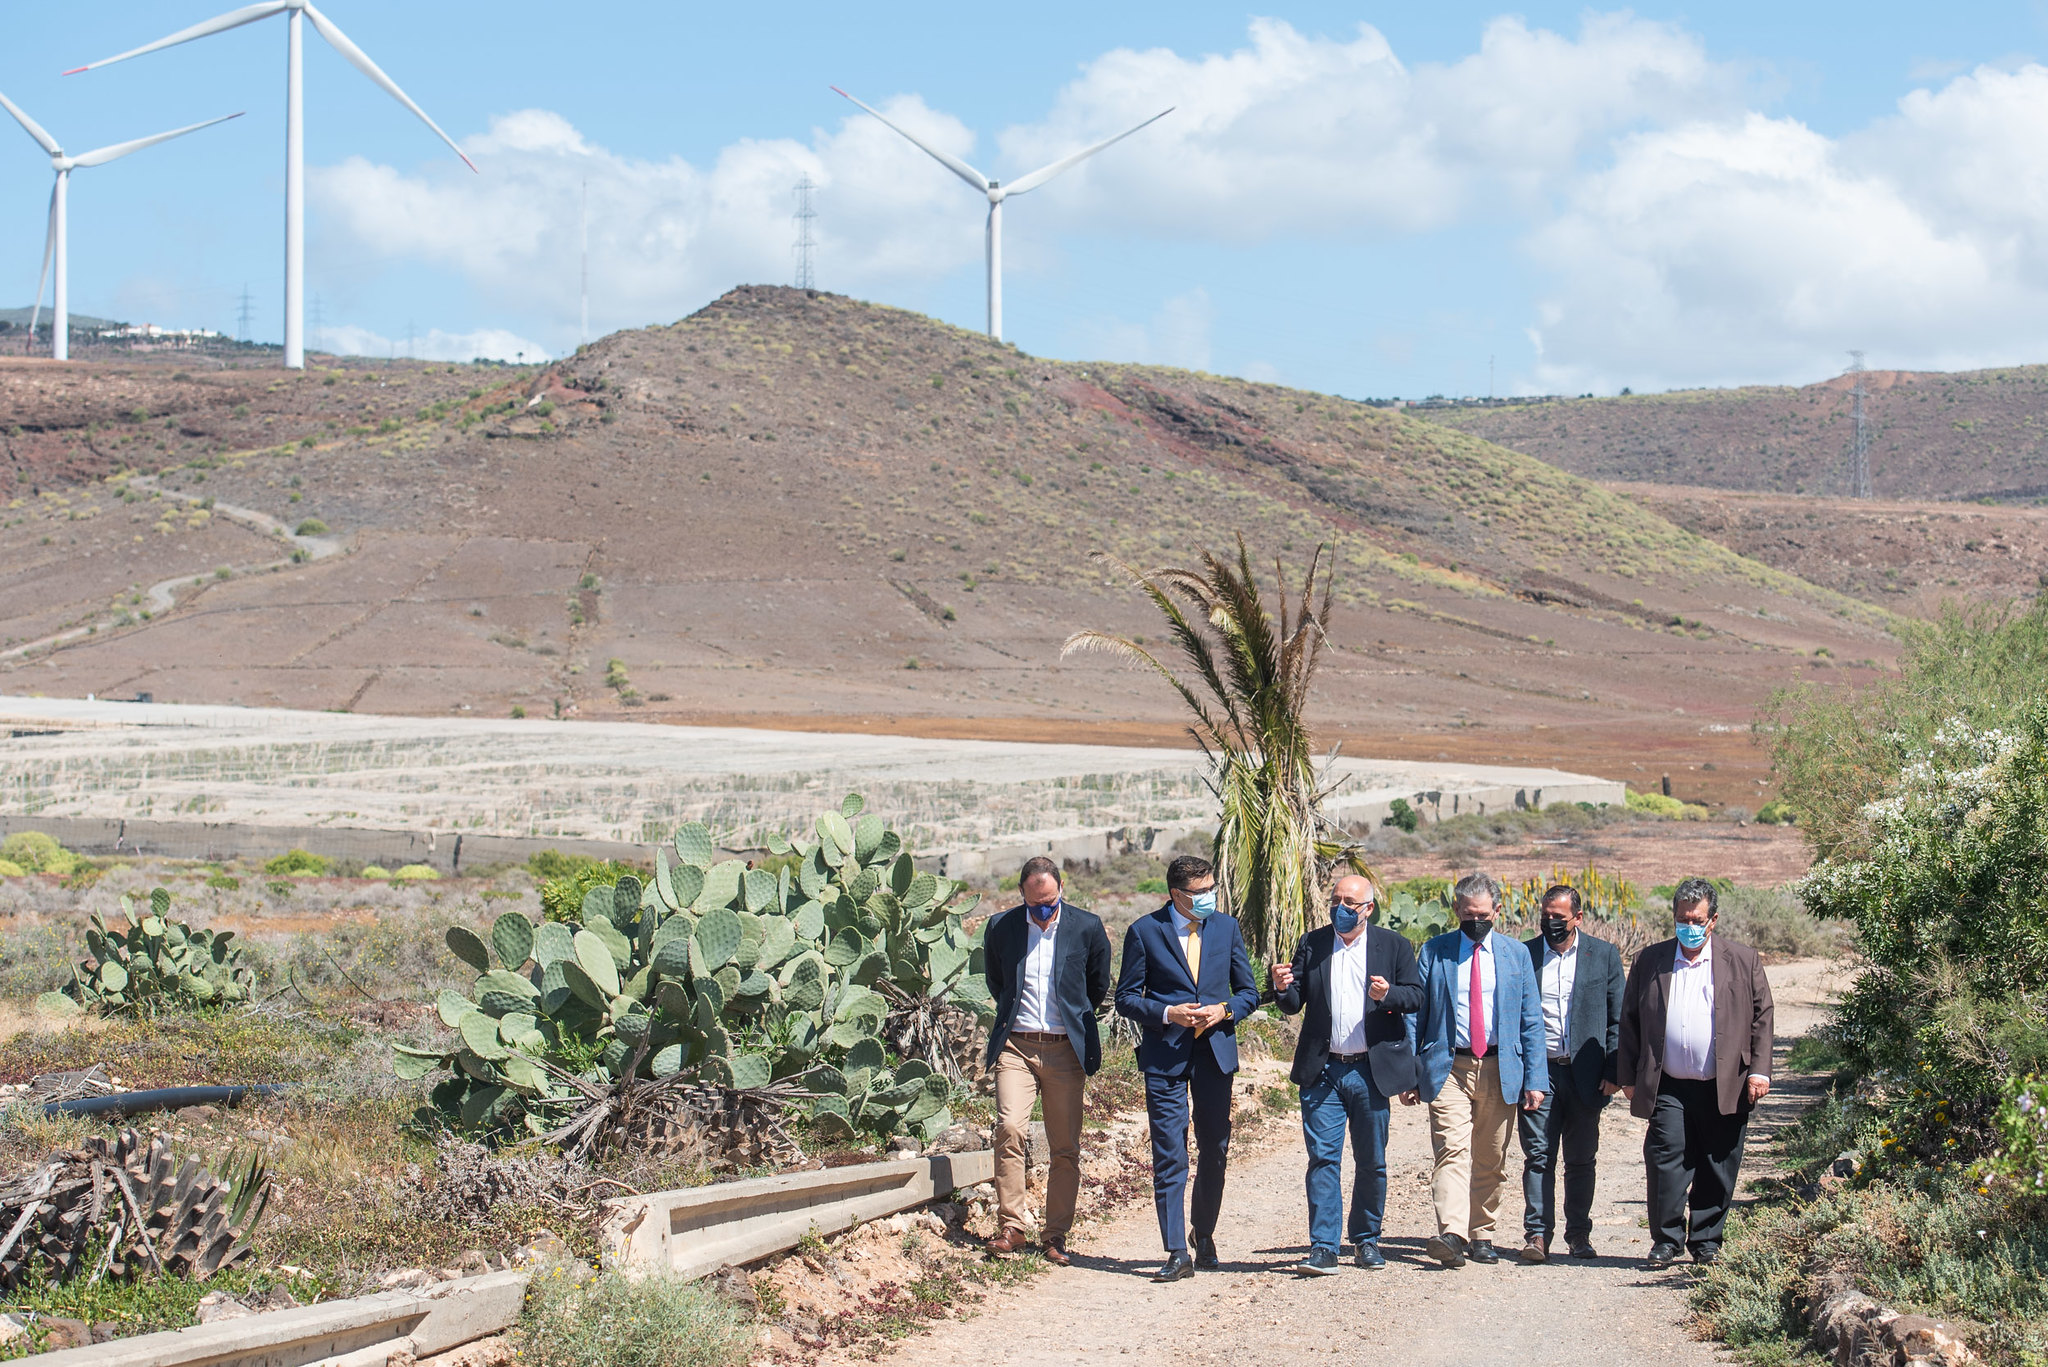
x: 1694, y: 890
x: 1474, y: 885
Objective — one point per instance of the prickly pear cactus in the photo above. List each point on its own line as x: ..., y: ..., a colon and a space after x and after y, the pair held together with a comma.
x: 152, y: 964
x: 718, y: 973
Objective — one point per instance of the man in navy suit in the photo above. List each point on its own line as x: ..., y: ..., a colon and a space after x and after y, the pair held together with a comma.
x: 1357, y: 983
x: 1479, y: 1039
x: 1187, y: 981
x: 1046, y: 963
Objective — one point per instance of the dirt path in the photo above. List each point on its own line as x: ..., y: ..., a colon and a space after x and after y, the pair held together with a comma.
x: 1609, y: 1311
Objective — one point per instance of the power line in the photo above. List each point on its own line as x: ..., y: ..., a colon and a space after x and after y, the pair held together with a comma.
x: 242, y: 317
x: 806, y: 243
x: 1859, y: 456
x: 408, y: 340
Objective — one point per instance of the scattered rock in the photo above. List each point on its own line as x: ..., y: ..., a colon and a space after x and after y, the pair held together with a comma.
x: 216, y: 1306
x: 958, y: 1139
x: 277, y: 1298
x: 11, y: 1329
x: 1922, y: 1342
x: 950, y: 1213
x: 542, y: 1245
x: 405, y: 1279
x: 64, y: 1333
x: 495, y: 1351
x: 905, y: 1146
x: 731, y: 1284
x: 1856, y: 1331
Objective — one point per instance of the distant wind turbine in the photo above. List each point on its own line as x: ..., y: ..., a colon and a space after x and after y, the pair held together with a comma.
x: 294, y: 134
x: 997, y: 192
x: 55, y: 246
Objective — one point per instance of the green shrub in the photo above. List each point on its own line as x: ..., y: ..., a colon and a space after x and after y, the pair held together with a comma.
x: 35, y: 852
x: 1155, y: 886
x: 224, y: 882
x: 312, y: 526
x: 375, y: 871
x: 1772, y: 922
x: 1401, y: 816
x: 294, y: 863
x: 1656, y: 804
x: 10, y: 869
x: 1777, y: 812
x: 423, y: 873
x: 611, y: 1321
x: 569, y: 879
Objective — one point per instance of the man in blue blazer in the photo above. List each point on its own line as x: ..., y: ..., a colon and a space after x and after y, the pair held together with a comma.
x: 1479, y: 1040
x: 1046, y: 962
x: 1187, y: 982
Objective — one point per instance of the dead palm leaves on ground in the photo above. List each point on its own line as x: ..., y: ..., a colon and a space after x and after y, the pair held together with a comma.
x: 1249, y: 674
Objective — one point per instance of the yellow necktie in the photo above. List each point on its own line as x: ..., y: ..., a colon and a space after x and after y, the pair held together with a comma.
x: 1192, y: 947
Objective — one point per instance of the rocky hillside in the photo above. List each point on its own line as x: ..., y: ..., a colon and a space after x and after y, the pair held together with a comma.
x: 1979, y: 434
x: 805, y: 510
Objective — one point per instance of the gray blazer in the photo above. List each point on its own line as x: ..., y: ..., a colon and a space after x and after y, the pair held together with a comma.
x: 1594, y: 1035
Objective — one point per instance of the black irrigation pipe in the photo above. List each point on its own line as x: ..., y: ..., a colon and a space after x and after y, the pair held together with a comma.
x: 161, y: 1099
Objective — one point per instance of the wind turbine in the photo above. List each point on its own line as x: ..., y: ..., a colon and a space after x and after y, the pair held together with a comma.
x: 294, y: 134
x: 55, y: 240
x: 997, y: 192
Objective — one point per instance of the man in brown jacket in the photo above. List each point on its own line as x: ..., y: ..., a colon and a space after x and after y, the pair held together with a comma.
x: 1694, y: 1057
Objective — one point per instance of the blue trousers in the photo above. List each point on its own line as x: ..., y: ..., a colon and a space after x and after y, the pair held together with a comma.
x: 1345, y: 1094
x: 1168, y: 1108
x: 1562, y: 1131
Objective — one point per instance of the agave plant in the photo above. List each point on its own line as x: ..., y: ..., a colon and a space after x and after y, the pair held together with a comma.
x: 1251, y: 677
x: 715, y: 973
x: 154, y: 964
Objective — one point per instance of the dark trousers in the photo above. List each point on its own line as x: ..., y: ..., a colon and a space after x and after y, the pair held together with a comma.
x: 1693, y: 1154
x: 1562, y: 1131
x: 1345, y: 1094
x: 1167, y: 1106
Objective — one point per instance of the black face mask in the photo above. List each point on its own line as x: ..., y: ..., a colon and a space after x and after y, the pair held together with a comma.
x: 1475, y: 931
x: 1556, y: 929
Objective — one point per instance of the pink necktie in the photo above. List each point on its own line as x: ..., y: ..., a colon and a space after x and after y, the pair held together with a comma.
x: 1477, y: 1010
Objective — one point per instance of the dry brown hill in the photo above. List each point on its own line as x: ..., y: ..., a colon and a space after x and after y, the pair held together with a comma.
x: 1969, y: 435
x: 805, y: 510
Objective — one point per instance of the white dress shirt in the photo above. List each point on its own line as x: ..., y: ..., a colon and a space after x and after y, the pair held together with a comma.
x: 1461, y: 992
x: 1035, y: 1010
x: 1560, y: 975
x: 1349, y: 979
x: 1689, y: 1018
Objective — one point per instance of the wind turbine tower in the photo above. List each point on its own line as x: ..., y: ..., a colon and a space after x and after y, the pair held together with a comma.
x: 56, y: 247
x: 997, y: 192
x: 295, y: 11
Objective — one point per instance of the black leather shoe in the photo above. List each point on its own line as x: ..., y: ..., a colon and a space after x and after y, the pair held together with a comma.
x: 1369, y: 1257
x: 1448, y: 1249
x: 1205, y: 1253
x: 1178, y: 1268
x: 1320, y: 1262
x: 1662, y: 1256
x: 1482, y: 1251
x: 1706, y: 1255
x: 1580, y: 1248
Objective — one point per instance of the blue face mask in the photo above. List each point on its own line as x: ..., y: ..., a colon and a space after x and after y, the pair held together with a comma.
x: 1690, y: 935
x: 1202, y: 905
x: 1343, y: 919
x: 1042, y: 914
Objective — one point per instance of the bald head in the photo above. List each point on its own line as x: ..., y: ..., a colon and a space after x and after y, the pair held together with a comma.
x: 1356, y: 892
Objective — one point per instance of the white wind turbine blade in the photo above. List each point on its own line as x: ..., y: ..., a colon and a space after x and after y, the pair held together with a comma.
x: 35, y: 130
x: 49, y: 246
x: 217, y: 24
x: 122, y: 149
x: 360, y: 60
x: 951, y: 163
x: 1045, y: 173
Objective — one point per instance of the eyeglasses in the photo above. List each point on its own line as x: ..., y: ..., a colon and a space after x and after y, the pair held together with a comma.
x: 1359, y: 907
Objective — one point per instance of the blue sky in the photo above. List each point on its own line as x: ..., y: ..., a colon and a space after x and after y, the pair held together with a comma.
x: 1368, y: 200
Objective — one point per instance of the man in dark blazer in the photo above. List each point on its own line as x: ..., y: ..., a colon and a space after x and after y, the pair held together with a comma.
x: 1579, y: 981
x: 1356, y: 982
x: 1187, y: 981
x: 1046, y: 962
x: 1694, y: 1058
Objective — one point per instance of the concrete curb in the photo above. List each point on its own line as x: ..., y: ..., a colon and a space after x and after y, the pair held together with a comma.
x: 689, y: 1233
x: 421, y: 1323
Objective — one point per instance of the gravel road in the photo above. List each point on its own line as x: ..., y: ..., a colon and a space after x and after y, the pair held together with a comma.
x: 1609, y: 1311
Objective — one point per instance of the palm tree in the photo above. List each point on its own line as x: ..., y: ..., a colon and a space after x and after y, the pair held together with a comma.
x: 1249, y: 687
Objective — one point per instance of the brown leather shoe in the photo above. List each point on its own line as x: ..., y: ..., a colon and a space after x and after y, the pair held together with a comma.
x: 1537, y: 1250
x: 1055, y: 1252
x: 1009, y: 1241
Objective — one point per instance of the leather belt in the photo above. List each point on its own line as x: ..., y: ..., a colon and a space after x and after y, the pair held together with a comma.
x: 1040, y: 1036
x: 1349, y: 1058
x: 1467, y: 1053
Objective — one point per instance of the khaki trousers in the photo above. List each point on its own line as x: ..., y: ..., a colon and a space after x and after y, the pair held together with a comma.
x: 1048, y: 1071
x: 1469, y: 1128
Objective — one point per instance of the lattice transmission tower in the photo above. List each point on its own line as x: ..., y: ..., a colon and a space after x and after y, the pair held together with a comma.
x: 806, y: 243
x: 1859, y: 455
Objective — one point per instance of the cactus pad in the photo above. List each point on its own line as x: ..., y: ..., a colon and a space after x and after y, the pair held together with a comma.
x: 717, y: 938
x: 469, y: 948
x: 594, y: 957
x: 693, y: 845
x: 512, y: 938
x: 751, y: 1070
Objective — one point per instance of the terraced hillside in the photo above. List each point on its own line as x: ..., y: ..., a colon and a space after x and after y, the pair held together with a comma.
x: 805, y: 510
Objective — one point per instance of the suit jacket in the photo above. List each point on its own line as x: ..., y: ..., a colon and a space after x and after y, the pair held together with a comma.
x: 1155, y: 976
x: 1743, y: 1020
x: 1517, y: 1016
x: 1594, y: 1031
x: 1388, y: 1053
x: 1080, y: 976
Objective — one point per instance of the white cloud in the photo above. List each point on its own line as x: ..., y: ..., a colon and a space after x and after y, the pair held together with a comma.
x: 1724, y: 251
x: 490, y: 344
x: 1176, y: 335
